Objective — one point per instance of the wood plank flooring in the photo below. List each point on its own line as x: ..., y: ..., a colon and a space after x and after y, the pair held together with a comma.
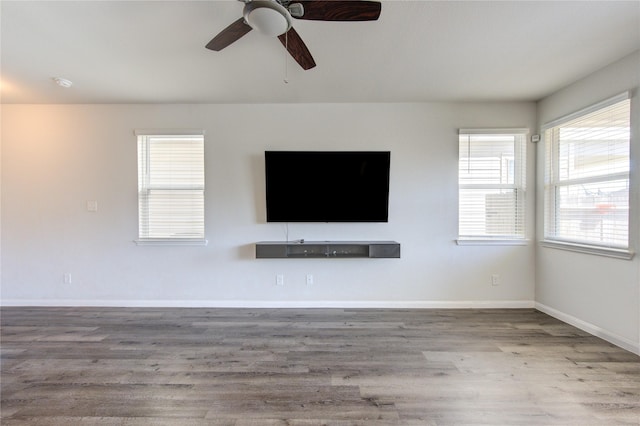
x: 237, y: 367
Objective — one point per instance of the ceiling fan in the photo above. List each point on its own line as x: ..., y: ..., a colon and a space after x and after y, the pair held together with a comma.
x: 274, y: 18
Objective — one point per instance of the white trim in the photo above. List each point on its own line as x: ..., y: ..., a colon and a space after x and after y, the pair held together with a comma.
x: 170, y: 242
x: 617, y: 253
x: 491, y: 242
x: 272, y: 304
x: 584, y: 111
x: 488, y: 186
x: 591, y: 179
x: 169, y: 132
x: 519, y: 131
x: 610, y: 337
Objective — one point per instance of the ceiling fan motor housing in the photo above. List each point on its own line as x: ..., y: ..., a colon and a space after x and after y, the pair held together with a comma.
x: 268, y: 17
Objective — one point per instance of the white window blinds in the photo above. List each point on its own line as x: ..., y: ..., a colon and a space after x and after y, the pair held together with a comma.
x: 587, y: 176
x: 491, y: 184
x: 171, y: 186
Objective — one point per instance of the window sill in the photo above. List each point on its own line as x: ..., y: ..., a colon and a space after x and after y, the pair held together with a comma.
x: 491, y: 242
x: 624, y: 254
x: 170, y: 242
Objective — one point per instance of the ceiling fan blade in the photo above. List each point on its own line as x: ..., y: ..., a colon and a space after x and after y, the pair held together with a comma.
x: 230, y: 34
x: 297, y: 49
x: 339, y: 10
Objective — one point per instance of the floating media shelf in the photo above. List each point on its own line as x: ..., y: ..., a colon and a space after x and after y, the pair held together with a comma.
x: 327, y: 249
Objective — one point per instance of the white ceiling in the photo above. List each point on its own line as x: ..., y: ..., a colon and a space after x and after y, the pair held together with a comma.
x: 153, y: 52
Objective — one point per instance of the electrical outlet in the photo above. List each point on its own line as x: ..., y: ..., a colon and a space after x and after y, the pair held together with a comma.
x: 309, y: 279
x: 495, y: 279
x: 279, y: 280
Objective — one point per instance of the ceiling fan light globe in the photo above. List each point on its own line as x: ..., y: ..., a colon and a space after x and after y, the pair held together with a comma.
x: 268, y: 17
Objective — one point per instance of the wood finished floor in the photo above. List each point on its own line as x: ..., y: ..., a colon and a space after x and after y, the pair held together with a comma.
x: 117, y: 366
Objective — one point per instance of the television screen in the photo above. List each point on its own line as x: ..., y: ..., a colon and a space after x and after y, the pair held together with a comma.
x: 327, y: 186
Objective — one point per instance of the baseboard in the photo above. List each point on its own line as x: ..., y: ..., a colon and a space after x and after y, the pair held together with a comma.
x: 591, y: 328
x: 267, y: 304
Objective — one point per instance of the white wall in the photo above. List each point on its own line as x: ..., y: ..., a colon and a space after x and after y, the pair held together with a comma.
x: 598, y: 294
x: 56, y: 157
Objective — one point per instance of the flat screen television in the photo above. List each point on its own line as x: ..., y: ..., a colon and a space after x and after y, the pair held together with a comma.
x: 327, y: 186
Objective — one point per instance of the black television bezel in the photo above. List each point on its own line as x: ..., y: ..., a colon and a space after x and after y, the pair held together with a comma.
x: 383, y: 218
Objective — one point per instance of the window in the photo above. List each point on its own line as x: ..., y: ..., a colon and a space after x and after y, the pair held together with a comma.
x: 587, y: 177
x: 170, y: 187
x: 491, y: 185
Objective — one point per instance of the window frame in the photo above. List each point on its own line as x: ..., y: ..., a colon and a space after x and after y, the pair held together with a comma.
x: 143, y: 137
x: 553, y: 182
x: 519, y: 185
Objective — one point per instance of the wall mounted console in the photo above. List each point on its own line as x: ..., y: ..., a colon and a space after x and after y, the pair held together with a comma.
x: 327, y: 249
